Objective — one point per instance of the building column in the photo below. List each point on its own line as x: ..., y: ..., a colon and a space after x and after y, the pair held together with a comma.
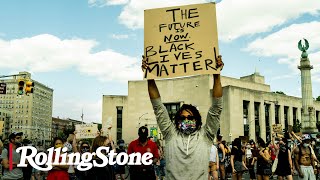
x: 281, y: 115
x: 272, y: 116
x: 290, y: 115
x: 262, y: 121
x: 252, y: 128
x: 299, y: 114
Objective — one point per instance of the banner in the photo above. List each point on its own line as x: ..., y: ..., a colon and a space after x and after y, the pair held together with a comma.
x: 85, y: 131
x: 181, y: 41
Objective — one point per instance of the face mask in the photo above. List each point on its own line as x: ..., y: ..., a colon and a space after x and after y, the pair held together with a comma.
x: 283, y: 147
x: 143, y: 138
x: 276, y: 142
x: 305, y: 145
x: 187, y: 126
x: 84, y: 150
x: 248, y: 146
x: 313, y: 143
x: 58, y: 146
x: 318, y: 140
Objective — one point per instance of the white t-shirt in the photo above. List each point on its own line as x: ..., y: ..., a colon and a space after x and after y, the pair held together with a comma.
x: 213, y: 153
x: 248, y: 153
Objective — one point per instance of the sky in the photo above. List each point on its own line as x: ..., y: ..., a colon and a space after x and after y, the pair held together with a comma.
x: 85, y: 49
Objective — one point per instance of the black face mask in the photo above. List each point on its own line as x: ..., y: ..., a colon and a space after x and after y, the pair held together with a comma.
x: 84, y: 150
x: 283, y: 147
x: 143, y: 138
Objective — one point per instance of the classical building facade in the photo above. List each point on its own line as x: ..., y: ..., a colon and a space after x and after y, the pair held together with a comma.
x: 30, y: 114
x: 249, y: 108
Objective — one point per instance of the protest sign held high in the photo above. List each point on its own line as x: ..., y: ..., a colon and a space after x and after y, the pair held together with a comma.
x: 181, y: 41
x: 86, y: 131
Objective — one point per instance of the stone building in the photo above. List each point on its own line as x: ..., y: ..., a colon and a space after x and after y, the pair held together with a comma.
x: 58, y: 125
x: 30, y: 114
x: 249, y: 109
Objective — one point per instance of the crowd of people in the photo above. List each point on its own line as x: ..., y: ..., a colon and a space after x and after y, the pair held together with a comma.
x: 283, y: 157
x: 73, y: 145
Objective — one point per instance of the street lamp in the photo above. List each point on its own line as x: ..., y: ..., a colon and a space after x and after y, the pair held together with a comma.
x: 140, y: 118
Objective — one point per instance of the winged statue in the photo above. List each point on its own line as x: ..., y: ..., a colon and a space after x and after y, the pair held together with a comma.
x: 303, y: 48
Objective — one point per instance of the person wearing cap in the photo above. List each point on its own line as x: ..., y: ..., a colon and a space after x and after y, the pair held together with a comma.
x: 143, y: 145
x: 303, y: 159
x: 187, y: 142
x: 15, y: 140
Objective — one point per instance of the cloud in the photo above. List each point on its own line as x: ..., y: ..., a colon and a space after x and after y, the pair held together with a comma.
x: 46, y: 53
x: 91, y: 110
x: 284, y: 45
x: 132, y: 15
x: 235, y: 18
x: 102, y: 3
x: 120, y: 36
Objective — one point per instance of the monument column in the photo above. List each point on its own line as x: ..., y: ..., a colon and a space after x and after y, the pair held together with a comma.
x: 308, y: 112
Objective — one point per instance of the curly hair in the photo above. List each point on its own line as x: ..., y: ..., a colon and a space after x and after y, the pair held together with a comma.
x: 192, y: 110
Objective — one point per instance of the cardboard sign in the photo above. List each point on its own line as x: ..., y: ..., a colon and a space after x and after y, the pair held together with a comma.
x: 85, y: 131
x: 181, y: 41
x: 277, y: 128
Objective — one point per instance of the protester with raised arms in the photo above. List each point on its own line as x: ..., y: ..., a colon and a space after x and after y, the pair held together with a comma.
x: 188, y: 143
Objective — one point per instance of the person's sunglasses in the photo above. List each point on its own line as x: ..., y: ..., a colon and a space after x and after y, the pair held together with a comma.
x: 186, y: 117
x: 18, y: 137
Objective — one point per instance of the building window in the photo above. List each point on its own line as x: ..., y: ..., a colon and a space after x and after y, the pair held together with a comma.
x: 276, y: 111
x: 246, y: 124
x: 267, y: 117
x: 294, y: 110
x: 256, y: 118
x: 172, y: 109
x: 317, y: 116
x: 286, y: 123
x: 119, y: 122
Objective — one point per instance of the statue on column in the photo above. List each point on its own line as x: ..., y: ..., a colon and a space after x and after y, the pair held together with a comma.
x: 304, y: 48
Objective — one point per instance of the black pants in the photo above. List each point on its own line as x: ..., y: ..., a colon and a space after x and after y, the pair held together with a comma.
x: 148, y: 174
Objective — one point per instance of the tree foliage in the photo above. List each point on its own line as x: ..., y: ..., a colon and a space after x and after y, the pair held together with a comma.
x: 318, y: 98
x: 279, y: 92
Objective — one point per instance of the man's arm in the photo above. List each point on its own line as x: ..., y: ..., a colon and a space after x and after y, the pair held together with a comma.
x: 162, y: 116
x: 213, y: 118
x: 153, y: 89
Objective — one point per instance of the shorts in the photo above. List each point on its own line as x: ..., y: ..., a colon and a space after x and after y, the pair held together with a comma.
x: 212, y: 166
x: 308, y: 173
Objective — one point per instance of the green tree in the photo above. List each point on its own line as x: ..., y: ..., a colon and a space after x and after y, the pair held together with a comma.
x: 280, y: 92
x: 297, y: 126
x: 318, y: 98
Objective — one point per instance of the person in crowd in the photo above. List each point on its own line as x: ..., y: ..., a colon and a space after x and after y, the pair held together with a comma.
x: 304, y: 161
x: 227, y: 159
x: 68, y: 144
x: 187, y: 141
x: 83, y: 148
x: 15, y: 140
x: 143, y: 145
x: 251, y: 157
x: 120, y: 169
x: 285, y: 165
x: 222, y: 155
x: 213, y: 163
x: 106, y: 172
x: 237, y: 160
x: 264, y: 161
x: 58, y: 171
x: 160, y: 165
x: 27, y: 171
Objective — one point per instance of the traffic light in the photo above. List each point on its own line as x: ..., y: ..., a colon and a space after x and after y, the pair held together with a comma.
x: 20, y: 86
x: 29, y: 87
